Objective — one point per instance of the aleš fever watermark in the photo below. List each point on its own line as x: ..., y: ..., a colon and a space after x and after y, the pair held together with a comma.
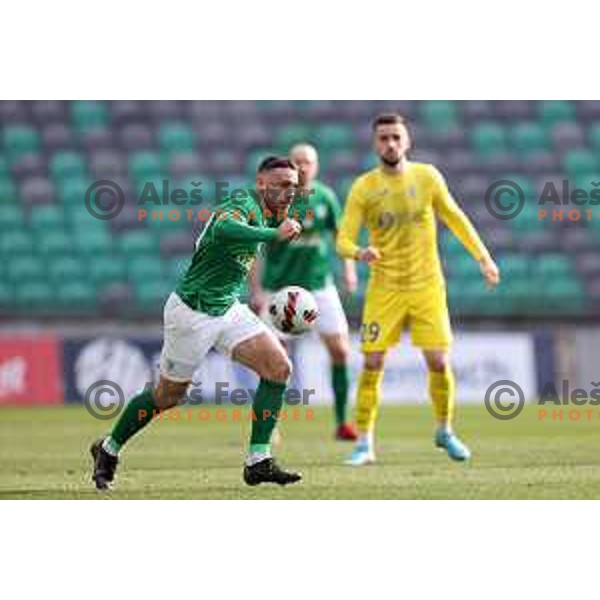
x: 104, y: 399
x: 105, y: 199
x: 505, y: 400
x: 506, y: 199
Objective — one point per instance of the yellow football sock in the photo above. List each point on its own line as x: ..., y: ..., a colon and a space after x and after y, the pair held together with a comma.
x: 441, y: 390
x: 367, y: 403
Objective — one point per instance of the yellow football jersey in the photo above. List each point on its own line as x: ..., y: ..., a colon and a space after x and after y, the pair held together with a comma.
x: 399, y: 211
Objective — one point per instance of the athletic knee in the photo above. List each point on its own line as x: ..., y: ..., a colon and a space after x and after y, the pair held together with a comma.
x: 169, y: 393
x: 437, y: 362
x: 374, y: 361
x: 339, y: 352
x: 279, y: 370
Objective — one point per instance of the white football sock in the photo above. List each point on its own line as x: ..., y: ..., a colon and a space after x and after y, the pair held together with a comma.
x: 366, y: 439
x: 256, y: 457
x: 444, y: 427
x: 110, y: 446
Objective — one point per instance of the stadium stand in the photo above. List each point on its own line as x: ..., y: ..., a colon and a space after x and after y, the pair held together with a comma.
x: 56, y: 259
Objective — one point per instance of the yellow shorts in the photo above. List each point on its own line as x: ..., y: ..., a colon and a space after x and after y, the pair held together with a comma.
x: 387, y: 313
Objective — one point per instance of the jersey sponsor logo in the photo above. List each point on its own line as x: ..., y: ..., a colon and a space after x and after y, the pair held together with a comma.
x: 389, y: 219
x: 245, y: 260
x: 378, y: 194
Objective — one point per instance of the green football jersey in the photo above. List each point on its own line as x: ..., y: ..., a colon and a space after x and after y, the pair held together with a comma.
x: 225, y: 251
x: 305, y: 261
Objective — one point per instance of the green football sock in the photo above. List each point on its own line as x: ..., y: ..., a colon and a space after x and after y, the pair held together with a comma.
x: 340, y: 383
x: 268, y: 402
x: 136, y: 415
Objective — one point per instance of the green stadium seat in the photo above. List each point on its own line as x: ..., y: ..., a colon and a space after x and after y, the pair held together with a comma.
x: 4, y: 168
x: 8, y: 192
x: 488, y: 138
x: 145, y: 165
x: 175, y: 137
x: 528, y: 219
x: 450, y: 245
x: 594, y: 136
x: 67, y: 164
x: 89, y: 114
x: 577, y: 162
x: 77, y: 295
x: 106, y: 268
x: 515, y: 267
x: 563, y: 295
x: 6, y: 294
x: 439, y: 115
x: 343, y: 186
x: 13, y: 243
x: 152, y: 293
x: 466, y: 295
x: 80, y: 219
x: 147, y: 268
x: 585, y: 181
x: 553, y: 265
x: 11, y: 217
x: 25, y: 268
x: 72, y: 190
x: 556, y: 111
x: 92, y: 242
x: 254, y: 159
x: 34, y: 294
x: 65, y: 269
x: 515, y: 296
x: 47, y: 217
x: 175, y: 268
x: 462, y: 265
x: 529, y: 138
x: 57, y: 242
x: 140, y: 242
x: 289, y: 135
x: 20, y: 140
x: 339, y: 136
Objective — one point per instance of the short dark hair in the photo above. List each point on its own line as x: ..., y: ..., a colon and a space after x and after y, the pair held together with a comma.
x: 388, y: 119
x: 275, y: 162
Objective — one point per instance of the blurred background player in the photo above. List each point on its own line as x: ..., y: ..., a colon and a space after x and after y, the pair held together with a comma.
x: 305, y: 262
x: 204, y: 313
x: 398, y: 203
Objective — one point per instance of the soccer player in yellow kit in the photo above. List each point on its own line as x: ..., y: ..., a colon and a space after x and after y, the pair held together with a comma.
x: 398, y: 203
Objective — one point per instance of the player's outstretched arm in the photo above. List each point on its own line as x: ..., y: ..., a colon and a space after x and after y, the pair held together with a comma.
x: 457, y: 221
x: 233, y: 228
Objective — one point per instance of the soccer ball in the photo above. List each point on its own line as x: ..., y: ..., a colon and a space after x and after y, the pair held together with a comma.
x: 293, y: 310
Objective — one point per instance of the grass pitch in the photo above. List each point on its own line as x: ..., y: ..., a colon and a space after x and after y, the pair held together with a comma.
x: 44, y: 454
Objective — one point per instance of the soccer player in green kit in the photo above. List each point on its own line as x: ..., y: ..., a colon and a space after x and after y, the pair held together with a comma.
x: 305, y: 262
x: 204, y: 312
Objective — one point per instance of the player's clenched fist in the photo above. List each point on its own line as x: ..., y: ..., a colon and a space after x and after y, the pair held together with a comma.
x: 289, y: 229
x: 369, y: 254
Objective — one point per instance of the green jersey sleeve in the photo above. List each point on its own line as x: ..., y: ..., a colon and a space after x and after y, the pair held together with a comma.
x: 241, y: 223
x: 229, y: 228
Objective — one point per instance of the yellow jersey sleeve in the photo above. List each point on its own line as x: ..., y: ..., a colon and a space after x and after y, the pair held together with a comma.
x: 454, y: 218
x: 352, y: 220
